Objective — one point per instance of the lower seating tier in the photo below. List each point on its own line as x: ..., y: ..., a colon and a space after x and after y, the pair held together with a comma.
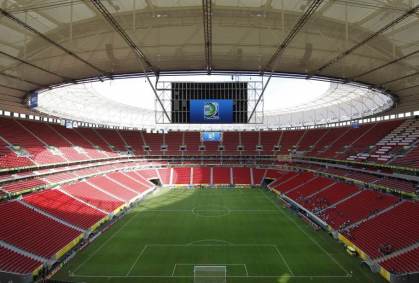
x: 11, y: 261
x: 31, y: 231
x: 403, y: 263
x: 392, y: 230
x: 66, y: 208
x: 356, y: 208
x: 330, y: 196
x: 93, y: 196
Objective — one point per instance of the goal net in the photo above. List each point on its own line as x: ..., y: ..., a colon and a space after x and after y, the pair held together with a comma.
x: 210, y: 273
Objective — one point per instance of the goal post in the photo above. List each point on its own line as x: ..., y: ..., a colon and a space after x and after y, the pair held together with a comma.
x: 210, y: 274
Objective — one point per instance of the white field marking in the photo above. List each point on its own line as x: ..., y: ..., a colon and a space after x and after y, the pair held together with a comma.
x: 174, y: 268
x: 209, y: 240
x: 224, y: 212
x: 210, y: 264
x: 104, y: 243
x: 247, y: 273
x: 305, y: 233
x: 222, y: 243
x: 284, y: 260
x: 348, y: 276
x: 136, y: 260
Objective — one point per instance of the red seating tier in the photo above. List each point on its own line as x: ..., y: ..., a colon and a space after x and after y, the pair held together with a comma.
x: 403, y: 263
x: 221, y: 175
x: 291, y: 183
x: 66, y: 208
x: 130, y: 180
x: 396, y: 228
x: 22, y: 185
x: 15, y: 134
x: 113, y: 188
x: 258, y: 175
x: 242, y: 176
x: 331, y: 195
x: 113, y: 138
x: 76, y: 139
x: 356, y: 208
x: 134, y: 140
x: 181, y: 176
x: 93, y: 196
x: 165, y: 175
x: 201, y: 175
x: 312, y: 186
x: 29, y: 230
x: 148, y: 173
x: 11, y: 261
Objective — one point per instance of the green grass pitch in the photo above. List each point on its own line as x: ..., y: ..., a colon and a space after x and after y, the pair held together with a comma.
x: 245, y: 230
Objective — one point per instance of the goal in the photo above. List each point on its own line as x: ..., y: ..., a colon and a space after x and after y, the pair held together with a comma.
x: 210, y: 274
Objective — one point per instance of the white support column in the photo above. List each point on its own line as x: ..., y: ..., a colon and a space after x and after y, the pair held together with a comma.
x: 171, y: 177
x: 191, y: 176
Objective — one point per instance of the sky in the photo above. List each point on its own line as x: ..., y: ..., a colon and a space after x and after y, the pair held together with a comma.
x: 280, y: 93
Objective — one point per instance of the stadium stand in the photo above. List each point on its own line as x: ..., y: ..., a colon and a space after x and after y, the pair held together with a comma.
x: 308, y: 188
x: 403, y: 263
x: 87, y: 193
x: 11, y: 261
x: 113, y: 139
x: 181, y: 176
x: 292, y: 183
x: 80, y: 142
x: 357, y: 207
x: 329, y: 196
x: 221, y: 175
x: 97, y: 141
x: 201, y: 175
x: 174, y: 140
x: 249, y: 141
x: 374, y: 236
x: 33, y: 232
x: 21, y: 186
x: 258, y: 175
x: 66, y: 208
x: 112, y: 188
x: 165, y: 175
x: 149, y: 174
x: 242, y: 176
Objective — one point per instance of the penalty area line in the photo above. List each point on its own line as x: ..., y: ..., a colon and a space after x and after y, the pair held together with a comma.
x: 136, y: 260
x: 105, y: 243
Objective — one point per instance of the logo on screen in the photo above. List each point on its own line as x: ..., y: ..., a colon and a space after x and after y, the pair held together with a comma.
x: 211, y: 111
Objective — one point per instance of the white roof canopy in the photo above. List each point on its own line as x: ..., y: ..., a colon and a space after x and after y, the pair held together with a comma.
x: 48, y: 42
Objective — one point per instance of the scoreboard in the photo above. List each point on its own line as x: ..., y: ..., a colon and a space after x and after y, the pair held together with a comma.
x: 209, y: 102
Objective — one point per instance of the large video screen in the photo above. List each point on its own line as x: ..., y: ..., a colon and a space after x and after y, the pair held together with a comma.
x: 211, y: 136
x: 224, y: 102
x: 210, y: 111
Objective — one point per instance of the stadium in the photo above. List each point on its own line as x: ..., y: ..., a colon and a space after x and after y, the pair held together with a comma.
x: 209, y: 141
